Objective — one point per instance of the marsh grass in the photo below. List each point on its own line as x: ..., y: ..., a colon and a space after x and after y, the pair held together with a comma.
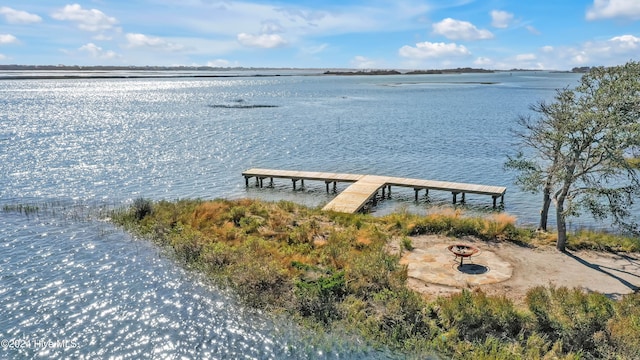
x: 602, y: 241
x: 26, y: 209
x: 332, y: 271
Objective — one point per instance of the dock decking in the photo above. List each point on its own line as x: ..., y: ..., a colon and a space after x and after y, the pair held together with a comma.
x: 367, y: 187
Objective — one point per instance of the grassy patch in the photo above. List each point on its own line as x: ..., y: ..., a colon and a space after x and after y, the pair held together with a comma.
x: 331, y: 270
x: 602, y: 241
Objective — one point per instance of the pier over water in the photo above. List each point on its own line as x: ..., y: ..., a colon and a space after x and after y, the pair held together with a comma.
x: 366, y: 188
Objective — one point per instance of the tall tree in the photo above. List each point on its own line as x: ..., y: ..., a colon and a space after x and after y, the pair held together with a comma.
x: 576, y: 151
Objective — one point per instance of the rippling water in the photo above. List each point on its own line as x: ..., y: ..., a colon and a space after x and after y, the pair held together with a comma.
x: 81, y: 289
x: 76, y: 146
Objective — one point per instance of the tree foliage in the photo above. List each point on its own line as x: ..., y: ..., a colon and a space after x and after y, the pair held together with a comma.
x: 576, y: 150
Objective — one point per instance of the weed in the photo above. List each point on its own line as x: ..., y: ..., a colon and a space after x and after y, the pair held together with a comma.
x: 406, y: 243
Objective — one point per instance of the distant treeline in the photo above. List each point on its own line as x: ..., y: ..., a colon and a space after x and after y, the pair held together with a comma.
x: 414, y: 72
x: 120, y: 68
x: 583, y: 69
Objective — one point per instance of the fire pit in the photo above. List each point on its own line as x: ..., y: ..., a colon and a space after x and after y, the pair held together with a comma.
x: 463, y: 251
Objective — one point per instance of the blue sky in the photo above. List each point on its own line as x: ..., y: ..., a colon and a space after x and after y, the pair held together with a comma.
x: 373, y: 34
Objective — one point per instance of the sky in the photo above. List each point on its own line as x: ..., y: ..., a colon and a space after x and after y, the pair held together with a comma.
x: 355, y: 34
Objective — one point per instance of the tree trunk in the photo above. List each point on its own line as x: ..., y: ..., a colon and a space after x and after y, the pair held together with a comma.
x: 562, y: 225
x: 544, y: 213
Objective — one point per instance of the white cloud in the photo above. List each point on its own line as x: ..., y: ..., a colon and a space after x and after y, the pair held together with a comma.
x: 501, y: 19
x: 144, y: 41
x: 602, y: 52
x: 18, y: 17
x: 460, y: 30
x: 7, y: 39
x: 102, y: 37
x: 267, y: 41
x: 2, y: 57
x: 361, y: 62
x: 547, y: 49
x: 526, y: 57
x: 428, y: 50
x: 88, y: 20
x: 607, y: 9
x: 606, y: 53
x: 625, y: 42
x: 97, y: 52
x: 482, y: 61
x: 221, y: 63
x: 296, y: 20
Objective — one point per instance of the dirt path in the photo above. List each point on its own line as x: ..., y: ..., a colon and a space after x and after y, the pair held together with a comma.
x: 511, y: 270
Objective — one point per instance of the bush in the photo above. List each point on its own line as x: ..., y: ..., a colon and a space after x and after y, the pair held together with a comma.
x: 476, y: 317
x: 262, y: 284
x: 399, y: 316
x: 141, y: 208
x: 624, y: 327
x: 576, y: 319
x: 319, y: 298
x: 374, y: 271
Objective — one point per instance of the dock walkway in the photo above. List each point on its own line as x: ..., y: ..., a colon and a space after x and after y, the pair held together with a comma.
x: 367, y: 187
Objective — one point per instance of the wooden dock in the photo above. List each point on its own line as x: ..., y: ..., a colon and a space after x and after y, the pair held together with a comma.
x: 367, y: 187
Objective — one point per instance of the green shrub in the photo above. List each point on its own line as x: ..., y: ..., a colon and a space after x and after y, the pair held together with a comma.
x: 624, y: 327
x: 236, y: 214
x: 141, y: 208
x: 374, y: 271
x: 250, y: 224
x: 572, y: 317
x: 319, y: 298
x: 262, y: 284
x: 476, y: 316
x: 399, y: 316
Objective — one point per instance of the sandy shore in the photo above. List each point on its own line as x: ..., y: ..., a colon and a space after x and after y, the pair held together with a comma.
x: 509, y: 269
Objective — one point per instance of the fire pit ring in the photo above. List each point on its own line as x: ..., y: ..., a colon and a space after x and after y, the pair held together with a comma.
x: 463, y: 251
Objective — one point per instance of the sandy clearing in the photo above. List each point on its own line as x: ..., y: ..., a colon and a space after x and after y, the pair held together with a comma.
x: 611, y: 274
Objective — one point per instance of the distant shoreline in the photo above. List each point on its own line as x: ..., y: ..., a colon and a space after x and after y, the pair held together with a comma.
x: 22, y: 72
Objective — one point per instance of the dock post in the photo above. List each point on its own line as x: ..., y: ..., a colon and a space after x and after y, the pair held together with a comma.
x: 246, y: 181
x: 463, y: 200
x: 271, y: 182
x: 416, y: 190
x: 327, y: 183
x: 389, y: 186
x: 335, y: 186
x: 294, y: 183
x: 455, y: 195
x: 375, y: 199
x: 383, y: 191
x: 494, y: 201
x: 301, y: 183
x: 261, y: 182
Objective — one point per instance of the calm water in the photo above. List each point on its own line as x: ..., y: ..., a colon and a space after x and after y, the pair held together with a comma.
x: 78, y: 146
